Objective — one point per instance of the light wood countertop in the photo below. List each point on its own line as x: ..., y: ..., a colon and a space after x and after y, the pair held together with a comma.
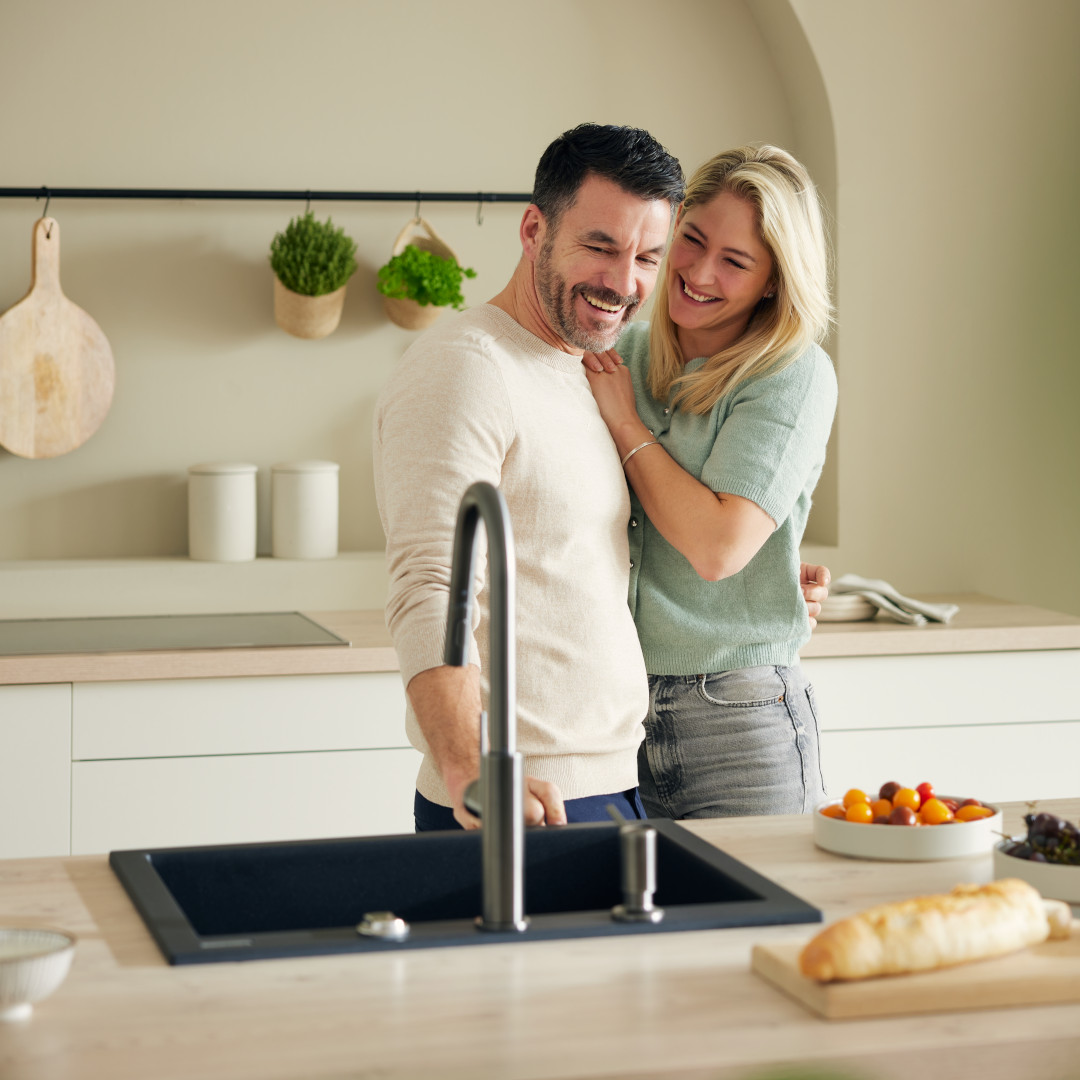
x: 670, y: 1005
x: 983, y: 624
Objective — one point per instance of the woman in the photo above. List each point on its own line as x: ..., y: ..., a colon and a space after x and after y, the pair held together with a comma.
x: 721, y: 410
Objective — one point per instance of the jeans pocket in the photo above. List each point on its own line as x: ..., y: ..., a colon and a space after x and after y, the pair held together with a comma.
x: 744, y: 688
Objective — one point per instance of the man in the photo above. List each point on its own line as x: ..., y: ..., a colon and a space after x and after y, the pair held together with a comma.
x: 498, y: 393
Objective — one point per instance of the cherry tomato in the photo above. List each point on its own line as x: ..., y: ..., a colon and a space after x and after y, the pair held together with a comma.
x: 952, y: 804
x: 881, y: 807
x: 926, y: 791
x: 833, y: 810
x: 908, y: 797
x: 971, y: 802
x: 935, y: 812
x: 970, y: 812
x: 889, y: 790
x: 859, y: 813
x: 903, y: 815
x: 855, y: 796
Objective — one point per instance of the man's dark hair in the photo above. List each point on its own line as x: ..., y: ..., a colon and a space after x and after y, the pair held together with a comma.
x: 627, y: 156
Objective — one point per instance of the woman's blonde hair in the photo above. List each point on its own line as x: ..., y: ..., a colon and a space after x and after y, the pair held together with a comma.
x: 781, y: 327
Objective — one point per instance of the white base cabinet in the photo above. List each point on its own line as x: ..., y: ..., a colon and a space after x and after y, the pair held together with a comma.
x: 998, y: 726
x: 35, y: 767
x: 95, y: 767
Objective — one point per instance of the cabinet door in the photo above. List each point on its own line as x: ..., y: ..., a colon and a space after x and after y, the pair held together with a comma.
x: 282, y: 714
x: 35, y: 770
x: 996, y: 726
x: 999, y: 763
x: 167, y: 802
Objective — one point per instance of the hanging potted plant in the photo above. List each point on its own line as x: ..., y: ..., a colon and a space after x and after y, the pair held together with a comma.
x: 422, y: 277
x: 312, y: 260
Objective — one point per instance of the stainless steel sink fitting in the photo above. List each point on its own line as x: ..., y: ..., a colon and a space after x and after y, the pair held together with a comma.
x: 501, y: 769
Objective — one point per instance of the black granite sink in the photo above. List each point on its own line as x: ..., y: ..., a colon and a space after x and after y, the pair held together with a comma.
x: 256, y: 901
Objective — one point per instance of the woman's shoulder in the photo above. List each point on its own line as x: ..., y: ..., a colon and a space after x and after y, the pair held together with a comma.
x: 633, y: 343
x: 811, y: 370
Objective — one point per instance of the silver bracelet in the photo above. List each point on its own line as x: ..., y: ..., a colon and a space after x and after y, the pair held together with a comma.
x: 640, y: 446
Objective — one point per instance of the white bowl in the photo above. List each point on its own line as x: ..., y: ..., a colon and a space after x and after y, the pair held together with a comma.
x: 33, y: 963
x: 907, y: 843
x: 1053, y: 881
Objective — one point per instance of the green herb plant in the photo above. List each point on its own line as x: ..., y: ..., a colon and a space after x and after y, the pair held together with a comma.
x: 313, y: 257
x: 425, y: 277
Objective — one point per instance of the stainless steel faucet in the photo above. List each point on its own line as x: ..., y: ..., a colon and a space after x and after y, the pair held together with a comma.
x: 501, y: 769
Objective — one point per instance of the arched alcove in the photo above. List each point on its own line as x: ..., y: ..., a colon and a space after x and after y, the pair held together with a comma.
x: 814, y: 145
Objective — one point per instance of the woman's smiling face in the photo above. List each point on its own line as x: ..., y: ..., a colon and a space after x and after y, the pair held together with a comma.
x: 718, y: 270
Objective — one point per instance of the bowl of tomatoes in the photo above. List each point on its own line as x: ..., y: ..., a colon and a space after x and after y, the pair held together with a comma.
x: 901, y: 823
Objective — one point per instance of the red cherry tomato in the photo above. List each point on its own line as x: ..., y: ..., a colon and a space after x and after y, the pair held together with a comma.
x: 926, y: 791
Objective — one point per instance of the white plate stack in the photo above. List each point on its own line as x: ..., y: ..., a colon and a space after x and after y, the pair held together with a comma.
x: 847, y: 607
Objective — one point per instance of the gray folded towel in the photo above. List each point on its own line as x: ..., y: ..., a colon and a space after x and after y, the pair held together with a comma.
x: 884, y: 597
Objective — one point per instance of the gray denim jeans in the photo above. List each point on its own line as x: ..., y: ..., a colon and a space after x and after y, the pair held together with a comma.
x: 734, y: 743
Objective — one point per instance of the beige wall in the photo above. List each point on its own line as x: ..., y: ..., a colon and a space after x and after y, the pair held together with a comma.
x: 285, y: 95
x: 958, y: 161
x: 955, y: 158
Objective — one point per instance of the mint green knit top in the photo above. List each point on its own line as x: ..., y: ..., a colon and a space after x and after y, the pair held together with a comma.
x: 764, y: 440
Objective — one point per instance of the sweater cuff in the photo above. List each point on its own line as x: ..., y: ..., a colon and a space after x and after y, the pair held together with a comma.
x: 421, y: 647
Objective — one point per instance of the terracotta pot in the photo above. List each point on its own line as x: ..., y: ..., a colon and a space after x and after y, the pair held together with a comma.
x: 309, y: 317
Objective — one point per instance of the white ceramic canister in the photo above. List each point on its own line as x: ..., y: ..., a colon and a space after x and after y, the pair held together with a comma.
x: 304, y: 510
x: 221, y: 512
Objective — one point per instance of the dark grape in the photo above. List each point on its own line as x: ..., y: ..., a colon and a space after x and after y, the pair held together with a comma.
x: 1052, y: 839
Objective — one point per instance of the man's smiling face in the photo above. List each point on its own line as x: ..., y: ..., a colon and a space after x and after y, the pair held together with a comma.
x: 600, y: 263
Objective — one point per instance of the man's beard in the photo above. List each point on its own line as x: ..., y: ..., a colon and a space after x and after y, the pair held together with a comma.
x: 558, y: 301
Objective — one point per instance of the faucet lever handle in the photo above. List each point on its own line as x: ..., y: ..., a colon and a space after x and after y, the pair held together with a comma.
x: 473, y: 801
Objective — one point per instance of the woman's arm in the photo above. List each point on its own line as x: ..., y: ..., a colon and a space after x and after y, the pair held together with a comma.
x: 717, y: 533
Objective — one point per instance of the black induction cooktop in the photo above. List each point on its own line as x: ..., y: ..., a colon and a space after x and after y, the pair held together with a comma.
x: 149, y: 633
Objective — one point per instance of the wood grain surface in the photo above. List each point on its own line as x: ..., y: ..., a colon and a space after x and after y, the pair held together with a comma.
x: 1042, y: 975
x: 56, y: 367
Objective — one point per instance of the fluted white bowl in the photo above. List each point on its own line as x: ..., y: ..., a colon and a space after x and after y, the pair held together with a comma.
x: 33, y: 963
x: 906, y: 843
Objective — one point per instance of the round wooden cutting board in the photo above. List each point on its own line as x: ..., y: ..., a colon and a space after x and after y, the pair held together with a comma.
x: 56, y: 367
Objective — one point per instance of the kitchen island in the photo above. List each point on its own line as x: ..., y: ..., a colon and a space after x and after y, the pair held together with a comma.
x: 678, y: 1005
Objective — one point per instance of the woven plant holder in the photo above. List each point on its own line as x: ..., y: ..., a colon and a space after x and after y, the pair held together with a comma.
x: 408, y: 314
x: 310, y: 317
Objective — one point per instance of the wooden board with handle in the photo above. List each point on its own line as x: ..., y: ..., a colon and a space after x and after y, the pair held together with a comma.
x: 56, y: 367
x: 1043, y: 974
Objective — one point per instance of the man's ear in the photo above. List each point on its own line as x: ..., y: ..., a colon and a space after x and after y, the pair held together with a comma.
x: 533, y: 229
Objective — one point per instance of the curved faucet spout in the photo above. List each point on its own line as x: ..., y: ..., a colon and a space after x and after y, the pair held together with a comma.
x: 501, y: 770
x: 484, y: 502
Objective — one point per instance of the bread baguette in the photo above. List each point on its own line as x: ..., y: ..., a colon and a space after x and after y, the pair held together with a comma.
x: 970, y: 923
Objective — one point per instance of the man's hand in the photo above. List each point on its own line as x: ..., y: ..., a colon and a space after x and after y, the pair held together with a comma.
x: 543, y: 805
x: 446, y: 701
x: 814, y: 581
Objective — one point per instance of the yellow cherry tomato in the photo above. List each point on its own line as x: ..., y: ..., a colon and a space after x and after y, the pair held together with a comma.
x: 855, y: 796
x: 833, y: 810
x: 935, y: 812
x: 908, y: 797
x: 882, y: 807
x: 859, y: 813
x: 973, y: 813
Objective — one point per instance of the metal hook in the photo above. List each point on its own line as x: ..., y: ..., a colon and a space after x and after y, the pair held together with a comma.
x: 416, y: 213
x: 45, y: 212
x: 479, y: 208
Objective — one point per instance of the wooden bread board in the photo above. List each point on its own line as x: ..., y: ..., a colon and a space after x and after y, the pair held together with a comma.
x: 1044, y: 974
x: 56, y: 366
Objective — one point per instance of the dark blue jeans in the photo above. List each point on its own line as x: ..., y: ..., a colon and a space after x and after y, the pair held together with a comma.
x: 431, y: 817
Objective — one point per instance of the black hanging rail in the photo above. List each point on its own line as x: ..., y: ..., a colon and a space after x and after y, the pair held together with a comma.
x: 42, y: 192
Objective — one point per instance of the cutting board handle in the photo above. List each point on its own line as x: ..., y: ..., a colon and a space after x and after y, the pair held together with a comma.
x: 45, y: 264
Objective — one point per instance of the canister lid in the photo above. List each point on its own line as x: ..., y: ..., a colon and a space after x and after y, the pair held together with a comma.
x: 306, y: 467
x: 217, y: 468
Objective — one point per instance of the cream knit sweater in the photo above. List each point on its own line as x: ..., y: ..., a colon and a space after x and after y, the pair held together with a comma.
x: 478, y: 397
